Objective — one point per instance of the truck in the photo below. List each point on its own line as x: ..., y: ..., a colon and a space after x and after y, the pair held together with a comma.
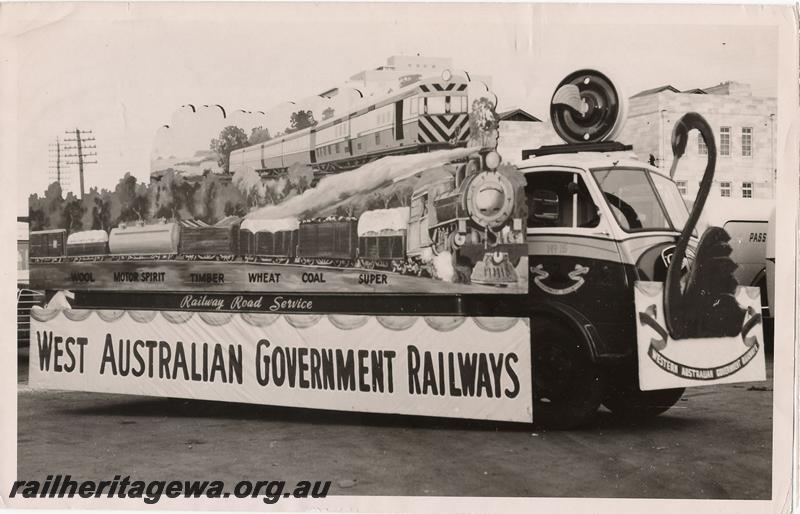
x: 599, y: 220
x: 631, y: 298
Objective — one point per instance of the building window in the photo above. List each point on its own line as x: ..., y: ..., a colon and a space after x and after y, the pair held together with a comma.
x: 683, y: 187
x: 747, y: 141
x: 725, y: 189
x: 377, y: 138
x: 724, y: 140
x: 702, y: 147
x: 747, y: 190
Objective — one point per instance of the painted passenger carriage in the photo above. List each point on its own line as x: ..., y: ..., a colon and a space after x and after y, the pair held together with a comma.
x: 430, y: 114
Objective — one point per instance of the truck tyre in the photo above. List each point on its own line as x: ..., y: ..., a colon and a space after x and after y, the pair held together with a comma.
x: 568, y: 386
x: 632, y: 404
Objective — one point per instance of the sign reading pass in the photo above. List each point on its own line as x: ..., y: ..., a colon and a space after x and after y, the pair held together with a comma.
x: 436, y: 366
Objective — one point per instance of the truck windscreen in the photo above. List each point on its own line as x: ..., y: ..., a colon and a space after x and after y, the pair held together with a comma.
x: 672, y: 199
x: 633, y: 201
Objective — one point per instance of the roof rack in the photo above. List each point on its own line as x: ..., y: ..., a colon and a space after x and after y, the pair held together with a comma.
x: 606, y: 146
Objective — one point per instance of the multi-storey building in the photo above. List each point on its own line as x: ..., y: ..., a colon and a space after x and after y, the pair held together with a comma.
x: 744, y: 130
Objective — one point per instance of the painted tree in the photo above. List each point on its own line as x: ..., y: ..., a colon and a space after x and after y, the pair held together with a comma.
x: 230, y: 138
x: 217, y: 198
x: 129, y: 201
x: 73, y: 214
x: 300, y: 177
x: 258, y: 135
x: 53, y: 207
x: 300, y: 120
x: 36, y: 216
x: 250, y: 185
x: 46, y: 211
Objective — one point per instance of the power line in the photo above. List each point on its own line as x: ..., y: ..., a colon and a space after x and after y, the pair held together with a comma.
x: 80, y: 151
x: 57, y: 149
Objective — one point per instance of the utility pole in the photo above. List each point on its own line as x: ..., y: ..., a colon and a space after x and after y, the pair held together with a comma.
x: 80, y: 151
x: 56, y: 162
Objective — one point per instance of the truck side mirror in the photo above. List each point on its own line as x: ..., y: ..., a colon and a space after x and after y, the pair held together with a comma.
x: 544, y: 205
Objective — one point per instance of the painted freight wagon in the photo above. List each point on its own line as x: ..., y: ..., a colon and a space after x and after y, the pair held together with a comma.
x: 88, y: 243
x: 328, y: 241
x: 139, y: 241
x: 382, y: 238
x: 48, y: 243
x: 199, y: 240
x: 269, y: 240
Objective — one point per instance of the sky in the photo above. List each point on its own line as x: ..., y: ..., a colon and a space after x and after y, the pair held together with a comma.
x: 125, y: 70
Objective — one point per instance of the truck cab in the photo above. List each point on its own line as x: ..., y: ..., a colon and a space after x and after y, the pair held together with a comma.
x: 598, y: 221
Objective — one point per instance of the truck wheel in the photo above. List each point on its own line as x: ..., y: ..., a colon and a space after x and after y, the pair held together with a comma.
x: 633, y: 404
x: 568, y: 386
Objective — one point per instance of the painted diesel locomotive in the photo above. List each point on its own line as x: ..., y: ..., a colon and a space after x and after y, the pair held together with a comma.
x: 427, y: 115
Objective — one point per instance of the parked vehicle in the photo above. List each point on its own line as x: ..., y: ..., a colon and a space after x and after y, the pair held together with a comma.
x: 27, y: 298
x: 747, y: 221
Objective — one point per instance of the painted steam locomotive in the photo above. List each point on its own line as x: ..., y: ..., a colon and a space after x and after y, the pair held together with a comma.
x: 430, y: 114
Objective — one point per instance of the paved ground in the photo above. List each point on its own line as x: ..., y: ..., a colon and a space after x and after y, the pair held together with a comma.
x: 716, y: 443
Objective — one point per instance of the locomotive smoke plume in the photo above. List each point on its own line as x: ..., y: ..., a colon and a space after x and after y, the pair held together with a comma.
x: 444, y: 266
x: 364, y: 179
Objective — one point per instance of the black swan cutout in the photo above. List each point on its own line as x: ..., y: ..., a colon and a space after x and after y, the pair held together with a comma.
x: 706, y: 306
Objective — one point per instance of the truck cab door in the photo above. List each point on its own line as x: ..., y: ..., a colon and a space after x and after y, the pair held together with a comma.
x: 573, y: 256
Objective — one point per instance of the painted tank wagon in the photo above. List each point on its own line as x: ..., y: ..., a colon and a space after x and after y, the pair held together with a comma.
x: 269, y: 240
x: 88, y: 244
x: 331, y: 241
x: 201, y: 241
x: 382, y: 238
x: 48, y: 244
x: 139, y: 241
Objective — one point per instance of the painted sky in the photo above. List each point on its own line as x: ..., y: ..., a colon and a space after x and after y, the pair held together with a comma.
x: 125, y: 70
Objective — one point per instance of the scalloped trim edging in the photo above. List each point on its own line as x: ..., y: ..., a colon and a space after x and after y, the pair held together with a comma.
x: 300, y: 321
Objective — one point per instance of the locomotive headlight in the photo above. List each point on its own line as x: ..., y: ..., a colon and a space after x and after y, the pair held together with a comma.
x: 447, y: 75
x: 490, y: 199
x: 492, y: 160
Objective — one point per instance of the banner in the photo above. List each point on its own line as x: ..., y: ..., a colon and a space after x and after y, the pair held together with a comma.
x: 444, y: 366
x: 667, y: 363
